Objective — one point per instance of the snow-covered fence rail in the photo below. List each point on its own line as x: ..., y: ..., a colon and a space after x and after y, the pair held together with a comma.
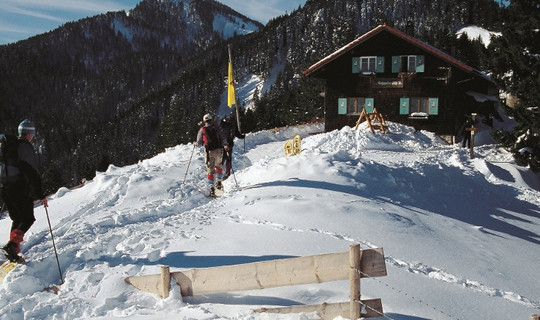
x: 351, y: 266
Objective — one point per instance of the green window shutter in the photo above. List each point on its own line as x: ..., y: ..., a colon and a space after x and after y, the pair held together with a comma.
x: 433, y: 106
x: 404, y: 106
x: 356, y: 65
x: 420, y: 63
x: 342, y: 106
x: 396, y: 64
x: 370, y: 105
x: 379, y: 67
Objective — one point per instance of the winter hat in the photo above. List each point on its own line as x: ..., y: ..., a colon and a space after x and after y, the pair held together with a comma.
x: 207, y: 117
x: 27, y: 127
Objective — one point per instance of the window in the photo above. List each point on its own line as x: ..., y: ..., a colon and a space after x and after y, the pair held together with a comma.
x: 407, y: 63
x: 411, y: 64
x: 368, y: 64
x: 355, y: 105
x: 419, y: 105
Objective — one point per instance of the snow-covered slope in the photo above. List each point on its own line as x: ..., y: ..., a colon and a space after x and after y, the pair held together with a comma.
x: 461, y: 237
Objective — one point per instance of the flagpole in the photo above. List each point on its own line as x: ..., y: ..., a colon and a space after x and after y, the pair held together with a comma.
x: 231, y: 83
x: 230, y: 88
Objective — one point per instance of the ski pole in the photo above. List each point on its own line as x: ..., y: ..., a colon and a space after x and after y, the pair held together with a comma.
x: 54, y: 246
x: 244, y: 155
x: 189, y: 162
x: 234, y: 176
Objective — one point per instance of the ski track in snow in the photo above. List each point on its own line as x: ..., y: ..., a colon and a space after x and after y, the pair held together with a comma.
x: 414, y: 268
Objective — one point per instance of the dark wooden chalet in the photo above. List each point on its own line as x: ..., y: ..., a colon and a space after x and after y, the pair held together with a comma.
x: 408, y: 81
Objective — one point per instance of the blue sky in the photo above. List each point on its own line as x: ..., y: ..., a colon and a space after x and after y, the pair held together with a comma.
x: 21, y: 19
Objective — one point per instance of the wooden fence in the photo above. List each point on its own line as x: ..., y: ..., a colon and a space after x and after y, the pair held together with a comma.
x: 352, y: 266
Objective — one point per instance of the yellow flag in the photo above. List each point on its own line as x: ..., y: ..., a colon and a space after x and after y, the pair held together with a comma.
x: 231, y: 99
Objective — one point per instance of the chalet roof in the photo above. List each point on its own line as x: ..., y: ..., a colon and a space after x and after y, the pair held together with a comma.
x: 381, y: 28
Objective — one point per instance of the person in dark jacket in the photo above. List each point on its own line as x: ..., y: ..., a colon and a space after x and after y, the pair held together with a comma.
x: 230, y: 130
x: 467, y: 134
x: 211, y: 136
x: 23, y: 186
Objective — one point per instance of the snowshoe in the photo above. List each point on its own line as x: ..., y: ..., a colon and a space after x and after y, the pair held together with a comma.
x: 219, y: 189
x: 212, y: 192
x: 10, y: 251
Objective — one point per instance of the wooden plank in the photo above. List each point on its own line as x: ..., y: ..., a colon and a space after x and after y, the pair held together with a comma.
x: 266, y: 274
x: 324, y: 311
x: 373, y: 309
x: 165, y: 282
x: 354, y: 280
x: 148, y: 283
x: 372, y: 263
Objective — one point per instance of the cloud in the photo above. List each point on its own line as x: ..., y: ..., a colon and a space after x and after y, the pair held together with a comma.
x: 33, y: 13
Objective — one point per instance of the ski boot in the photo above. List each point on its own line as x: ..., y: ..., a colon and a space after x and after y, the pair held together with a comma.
x: 10, y: 251
x: 212, y: 192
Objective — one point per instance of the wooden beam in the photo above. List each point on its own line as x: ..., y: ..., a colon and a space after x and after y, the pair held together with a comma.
x: 266, y: 274
x: 165, y: 282
x: 372, y: 263
x: 148, y: 283
x: 373, y: 309
x: 354, y: 280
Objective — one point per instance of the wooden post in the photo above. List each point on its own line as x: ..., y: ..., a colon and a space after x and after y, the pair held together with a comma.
x: 535, y: 317
x: 165, y: 282
x: 354, y: 278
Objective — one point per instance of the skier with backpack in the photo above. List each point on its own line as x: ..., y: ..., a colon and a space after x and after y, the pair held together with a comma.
x: 230, y: 130
x: 21, y: 185
x: 214, y: 143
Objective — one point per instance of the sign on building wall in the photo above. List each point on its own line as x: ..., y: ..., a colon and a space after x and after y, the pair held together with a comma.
x: 388, y: 83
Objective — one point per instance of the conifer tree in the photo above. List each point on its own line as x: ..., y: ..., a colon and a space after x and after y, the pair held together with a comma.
x: 516, y: 68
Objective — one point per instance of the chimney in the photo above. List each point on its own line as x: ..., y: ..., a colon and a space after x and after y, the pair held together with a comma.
x: 409, y: 29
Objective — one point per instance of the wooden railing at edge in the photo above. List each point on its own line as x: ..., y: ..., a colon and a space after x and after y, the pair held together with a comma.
x: 352, y: 266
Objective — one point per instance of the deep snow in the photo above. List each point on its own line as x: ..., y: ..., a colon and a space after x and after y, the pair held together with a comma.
x: 461, y: 236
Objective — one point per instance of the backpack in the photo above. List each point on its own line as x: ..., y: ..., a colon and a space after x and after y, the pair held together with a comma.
x: 211, y: 138
x: 9, y: 157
